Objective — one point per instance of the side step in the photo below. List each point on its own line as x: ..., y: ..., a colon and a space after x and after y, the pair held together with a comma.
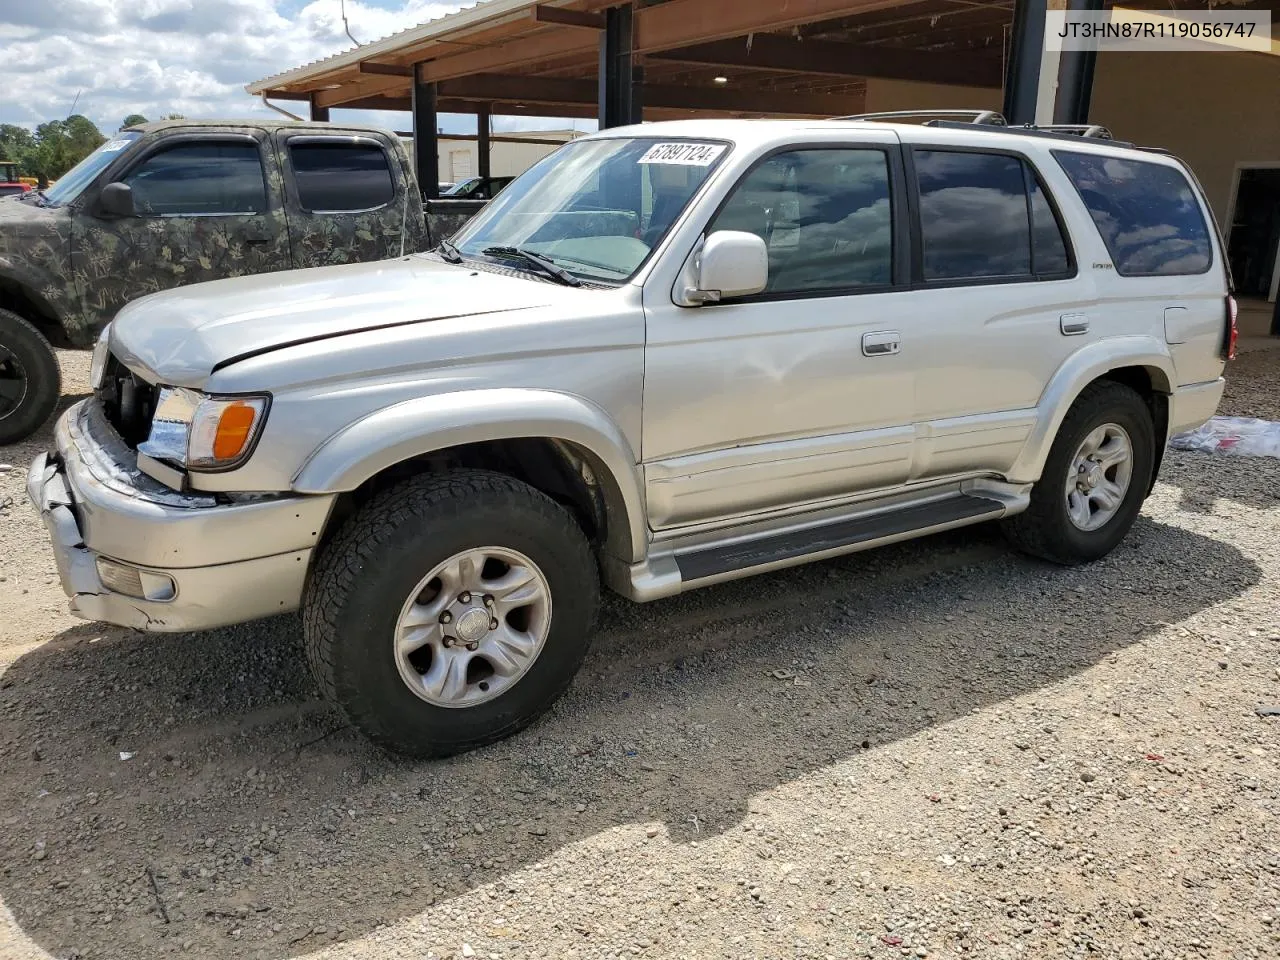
x: 843, y: 536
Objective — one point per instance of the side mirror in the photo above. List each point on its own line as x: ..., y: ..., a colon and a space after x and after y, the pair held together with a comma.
x: 116, y: 199
x: 733, y: 263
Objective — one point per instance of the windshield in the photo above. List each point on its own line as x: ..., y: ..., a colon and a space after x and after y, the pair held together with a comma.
x: 461, y: 188
x: 83, y: 173
x: 596, y: 207
x: 8, y: 172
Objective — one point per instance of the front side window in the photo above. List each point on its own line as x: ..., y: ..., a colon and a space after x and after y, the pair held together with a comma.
x: 201, y: 177
x: 1146, y: 212
x: 824, y: 215
x: 596, y: 208
x: 341, y: 177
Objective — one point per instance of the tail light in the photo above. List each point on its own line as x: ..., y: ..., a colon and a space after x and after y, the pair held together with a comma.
x: 1232, y: 333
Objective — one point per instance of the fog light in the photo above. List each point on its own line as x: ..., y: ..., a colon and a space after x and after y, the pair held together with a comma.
x: 133, y: 582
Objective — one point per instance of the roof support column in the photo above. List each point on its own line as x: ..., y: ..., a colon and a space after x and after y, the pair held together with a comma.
x: 619, y: 78
x: 1026, y: 48
x: 482, y: 139
x: 1075, y: 76
x: 426, y: 139
x: 319, y: 114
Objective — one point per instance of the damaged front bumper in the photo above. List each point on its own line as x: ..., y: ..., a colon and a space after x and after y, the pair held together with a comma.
x: 195, y: 560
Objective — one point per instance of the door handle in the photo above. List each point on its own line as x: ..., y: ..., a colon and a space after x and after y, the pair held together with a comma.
x: 881, y: 343
x: 1073, y: 324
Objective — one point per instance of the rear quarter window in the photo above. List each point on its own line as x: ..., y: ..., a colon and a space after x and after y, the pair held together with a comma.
x: 1147, y: 214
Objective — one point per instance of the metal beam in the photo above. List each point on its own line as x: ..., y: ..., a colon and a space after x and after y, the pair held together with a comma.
x: 516, y: 88
x: 319, y: 114
x: 482, y: 139
x: 683, y: 23
x: 550, y: 44
x: 569, y: 18
x: 426, y: 143
x: 790, y: 55
x: 366, y: 87
x: 1022, y: 79
x: 1075, y: 76
x: 386, y: 70
x: 615, y: 94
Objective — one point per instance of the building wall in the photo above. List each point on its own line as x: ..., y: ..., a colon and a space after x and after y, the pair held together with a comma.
x: 910, y: 95
x: 1213, y: 110
x: 507, y: 158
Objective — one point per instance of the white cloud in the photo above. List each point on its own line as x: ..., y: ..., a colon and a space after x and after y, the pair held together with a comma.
x: 181, y: 56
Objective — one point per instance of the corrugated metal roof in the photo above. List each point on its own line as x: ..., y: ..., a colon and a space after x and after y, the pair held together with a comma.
x: 460, y: 20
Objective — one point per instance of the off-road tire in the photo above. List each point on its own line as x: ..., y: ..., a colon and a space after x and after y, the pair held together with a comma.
x: 365, y: 574
x: 43, y: 377
x: 1045, y: 529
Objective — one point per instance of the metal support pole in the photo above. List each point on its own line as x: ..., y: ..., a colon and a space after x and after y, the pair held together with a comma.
x: 319, y: 114
x: 1026, y: 47
x: 1075, y: 76
x: 426, y: 140
x: 482, y: 139
x: 618, y: 98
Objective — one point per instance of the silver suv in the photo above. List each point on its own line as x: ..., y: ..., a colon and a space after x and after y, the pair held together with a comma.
x: 667, y: 356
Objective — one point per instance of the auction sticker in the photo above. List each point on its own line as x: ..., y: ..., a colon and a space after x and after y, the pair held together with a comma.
x: 683, y: 154
x: 111, y: 146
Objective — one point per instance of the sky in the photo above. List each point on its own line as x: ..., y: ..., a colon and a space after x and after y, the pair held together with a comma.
x: 189, y: 56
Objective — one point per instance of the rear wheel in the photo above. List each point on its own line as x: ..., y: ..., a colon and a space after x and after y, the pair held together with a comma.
x: 450, y: 611
x: 1094, y: 481
x: 30, y: 380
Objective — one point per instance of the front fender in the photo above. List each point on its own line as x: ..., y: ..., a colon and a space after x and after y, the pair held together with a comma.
x: 1082, y: 368
x: 427, y: 424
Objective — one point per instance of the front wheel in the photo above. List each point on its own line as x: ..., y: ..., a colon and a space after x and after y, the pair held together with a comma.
x: 1094, y: 480
x: 30, y: 380
x: 450, y: 611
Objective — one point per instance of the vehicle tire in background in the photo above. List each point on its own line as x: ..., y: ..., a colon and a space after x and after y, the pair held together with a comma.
x: 30, y: 379
x: 450, y: 611
x: 1094, y: 481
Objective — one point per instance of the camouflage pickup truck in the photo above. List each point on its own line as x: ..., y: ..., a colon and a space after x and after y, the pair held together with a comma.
x: 177, y: 202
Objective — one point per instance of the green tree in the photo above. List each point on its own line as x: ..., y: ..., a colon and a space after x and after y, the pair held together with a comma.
x: 54, y: 148
x: 15, y: 141
x: 133, y: 120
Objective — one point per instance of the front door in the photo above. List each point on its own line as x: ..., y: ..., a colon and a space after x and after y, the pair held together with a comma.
x: 346, y: 199
x: 803, y: 392
x: 202, y: 211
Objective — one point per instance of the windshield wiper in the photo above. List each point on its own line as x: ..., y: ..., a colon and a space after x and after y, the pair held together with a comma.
x: 449, y: 252
x: 548, y: 267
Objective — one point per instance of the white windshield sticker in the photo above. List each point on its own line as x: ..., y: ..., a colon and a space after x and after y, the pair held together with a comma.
x: 111, y: 146
x: 683, y: 154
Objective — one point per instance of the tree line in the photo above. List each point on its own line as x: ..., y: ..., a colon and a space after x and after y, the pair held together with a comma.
x: 54, y: 147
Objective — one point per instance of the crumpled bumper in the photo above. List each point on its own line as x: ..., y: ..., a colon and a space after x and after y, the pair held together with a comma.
x: 226, y: 562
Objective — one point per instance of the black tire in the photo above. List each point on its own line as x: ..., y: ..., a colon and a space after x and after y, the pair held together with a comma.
x: 1045, y: 529
x: 364, y: 575
x: 30, y: 379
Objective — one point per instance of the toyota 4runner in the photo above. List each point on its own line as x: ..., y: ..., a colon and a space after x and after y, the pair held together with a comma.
x: 667, y: 356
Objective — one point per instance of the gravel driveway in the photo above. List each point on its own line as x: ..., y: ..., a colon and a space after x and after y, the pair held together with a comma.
x: 937, y: 749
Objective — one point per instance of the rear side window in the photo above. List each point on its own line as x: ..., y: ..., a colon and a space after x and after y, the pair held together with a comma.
x: 200, y: 178
x: 1146, y: 212
x: 341, y: 177
x: 985, y: 216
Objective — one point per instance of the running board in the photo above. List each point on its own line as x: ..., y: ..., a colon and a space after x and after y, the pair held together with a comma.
x: 846, y: 535
x: 676, y: 566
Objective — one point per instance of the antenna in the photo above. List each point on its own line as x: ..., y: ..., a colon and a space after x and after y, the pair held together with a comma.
x: 71, y: 112
x: 343, y: 7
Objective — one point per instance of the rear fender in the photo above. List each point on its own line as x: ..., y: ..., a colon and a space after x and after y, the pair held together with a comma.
x: 1081, y: 369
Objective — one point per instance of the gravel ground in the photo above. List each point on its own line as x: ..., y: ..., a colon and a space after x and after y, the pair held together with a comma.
x: 938, y: 749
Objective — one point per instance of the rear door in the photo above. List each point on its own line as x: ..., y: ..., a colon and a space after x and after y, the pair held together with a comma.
x: 345, y: 198
x: 202, y: 211
x: 998, y: 302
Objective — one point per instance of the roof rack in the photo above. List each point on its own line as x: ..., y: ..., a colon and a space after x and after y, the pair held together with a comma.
x: 989, y: 117
x: 1092, y: 130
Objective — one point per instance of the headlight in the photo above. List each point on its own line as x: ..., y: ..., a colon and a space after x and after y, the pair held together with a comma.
x: 98, y: 365
x: 202, y: 432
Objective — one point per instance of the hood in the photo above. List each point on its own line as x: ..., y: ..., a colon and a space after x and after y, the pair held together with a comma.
x: 181, y: 336
x: 21, y: 218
